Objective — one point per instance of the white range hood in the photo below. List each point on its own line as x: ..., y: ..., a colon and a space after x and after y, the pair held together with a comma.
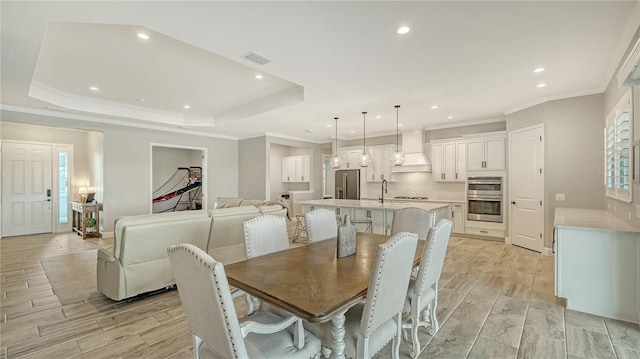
x: 413, y: 148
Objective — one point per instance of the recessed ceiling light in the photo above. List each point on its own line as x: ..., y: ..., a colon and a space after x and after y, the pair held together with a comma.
x: 434, y: 107
x: 379, y: 116
x: 450, y: 117
x: 259, y: 77
x: 352, y: 131
x: 328, y: 126
x: 399, y: 125
x: 402, y: 30
x: 142, y: 99
x: 93, y: 88
x: 143, y: 36
x: 187, y: 107
x: 541, y: 85
x: 539, y: 69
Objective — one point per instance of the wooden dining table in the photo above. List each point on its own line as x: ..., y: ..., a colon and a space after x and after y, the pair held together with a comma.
x: 311, y: 282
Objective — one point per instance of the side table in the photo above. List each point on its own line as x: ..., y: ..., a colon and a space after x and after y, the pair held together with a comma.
x: 83, y: 211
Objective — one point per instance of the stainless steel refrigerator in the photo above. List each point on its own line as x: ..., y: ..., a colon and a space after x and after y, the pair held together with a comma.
x: 347, y: 184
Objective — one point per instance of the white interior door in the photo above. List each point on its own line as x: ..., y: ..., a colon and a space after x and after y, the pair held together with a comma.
x: 526, y: 161
x: 26, y: 189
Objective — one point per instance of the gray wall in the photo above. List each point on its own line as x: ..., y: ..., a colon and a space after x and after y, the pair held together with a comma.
x: 126, y: 162
x: 611, y: 97
x: 253, y: 159
x: 277, y: 187
x: 454, y: 132
x: 573, y: 157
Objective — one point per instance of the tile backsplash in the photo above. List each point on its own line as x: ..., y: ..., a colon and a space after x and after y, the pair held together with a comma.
x: 417, y: 184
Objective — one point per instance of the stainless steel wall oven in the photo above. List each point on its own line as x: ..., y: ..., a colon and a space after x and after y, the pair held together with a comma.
x: 484, y: 199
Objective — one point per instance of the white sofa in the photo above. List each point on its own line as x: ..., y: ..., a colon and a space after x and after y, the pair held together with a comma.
x: 138, y: 263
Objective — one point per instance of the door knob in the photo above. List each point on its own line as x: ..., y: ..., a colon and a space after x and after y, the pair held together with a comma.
x: 513, y: 202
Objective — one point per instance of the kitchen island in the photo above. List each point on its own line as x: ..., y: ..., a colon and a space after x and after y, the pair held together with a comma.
x: 597, y: 263
x: 378, y: 215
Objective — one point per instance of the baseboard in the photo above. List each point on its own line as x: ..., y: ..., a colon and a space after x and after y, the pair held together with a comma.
x: 107, y: 234
x: 547, y: 251
x: 507, y: 240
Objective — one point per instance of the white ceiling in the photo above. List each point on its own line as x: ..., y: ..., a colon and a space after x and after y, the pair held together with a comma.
x: 474, y: 60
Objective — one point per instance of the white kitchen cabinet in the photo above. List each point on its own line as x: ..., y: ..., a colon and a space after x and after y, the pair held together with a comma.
x: 447, y: 159
x: 458, y: 217
x: 485, y: 152
x: 349, y: 157
x: 296, y: 168
x: 597, y: 267
x: 380, y: 168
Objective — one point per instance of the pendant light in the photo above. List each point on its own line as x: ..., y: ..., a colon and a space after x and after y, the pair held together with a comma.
x: 398, y: 157
x: 336, y: 161
x: 365, y: 158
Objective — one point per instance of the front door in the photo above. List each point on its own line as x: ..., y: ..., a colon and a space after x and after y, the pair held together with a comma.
x: 526, y: 161
x: 26, y: 189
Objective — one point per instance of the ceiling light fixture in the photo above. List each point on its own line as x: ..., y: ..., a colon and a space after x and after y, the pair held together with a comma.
x: 539, y: 69
x: 336, y: 161
x: 450, y: 117
x: 541, y: 85
x: 142, y: 99
x: 398, y: 157
x: 186, y: 107
x: 365, y: 158
x: 402, y: 30
x: 259, y: 77
x: 434, y: 107
x: 143, y: 36
x: 93, y: 88
x: 379, y: 116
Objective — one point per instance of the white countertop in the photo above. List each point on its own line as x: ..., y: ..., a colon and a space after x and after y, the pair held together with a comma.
x: 364, y: 204
x: 590, y: 219
x: 391, y: 199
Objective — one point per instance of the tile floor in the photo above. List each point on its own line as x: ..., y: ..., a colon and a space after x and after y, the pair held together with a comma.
x: 495, y: 301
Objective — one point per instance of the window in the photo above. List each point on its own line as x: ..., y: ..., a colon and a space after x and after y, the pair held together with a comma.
x: 618, y: 137
x: 63, y: 187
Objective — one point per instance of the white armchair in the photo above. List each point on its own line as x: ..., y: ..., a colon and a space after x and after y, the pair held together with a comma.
x: 211, y: 315
x: 422, y: 295
x: 370, y: 325
x: 321, y: 224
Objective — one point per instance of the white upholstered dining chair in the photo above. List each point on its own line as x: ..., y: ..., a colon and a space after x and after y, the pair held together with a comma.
x: 211, y: 315
x: 422, y: 296
x: 413, y: 220
x: 371, y: 324
x: 321, y: 224
x: 263, y: 235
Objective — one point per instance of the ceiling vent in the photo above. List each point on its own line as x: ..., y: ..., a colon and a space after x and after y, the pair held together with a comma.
x: 257, y: 58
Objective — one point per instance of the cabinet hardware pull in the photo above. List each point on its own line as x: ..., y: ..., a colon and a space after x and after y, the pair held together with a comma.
x: 484, y: 232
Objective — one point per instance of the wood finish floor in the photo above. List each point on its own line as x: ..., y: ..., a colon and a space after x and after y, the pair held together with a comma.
x: 495, y: 301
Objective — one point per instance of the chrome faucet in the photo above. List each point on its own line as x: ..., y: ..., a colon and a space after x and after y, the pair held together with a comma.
x: 383, y: 191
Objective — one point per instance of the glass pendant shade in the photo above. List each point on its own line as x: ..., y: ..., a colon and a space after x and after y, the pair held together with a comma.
x: 364, y: 160
x: 336, y: 161
x: 398, y: 157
